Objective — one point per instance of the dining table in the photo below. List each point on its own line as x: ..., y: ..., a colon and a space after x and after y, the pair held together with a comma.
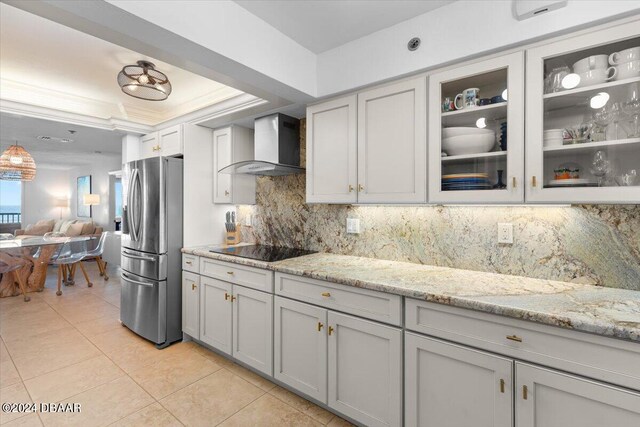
x: 35, y: 252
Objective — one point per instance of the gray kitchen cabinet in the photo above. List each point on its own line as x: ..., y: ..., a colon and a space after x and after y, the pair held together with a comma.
x: 191, y: 304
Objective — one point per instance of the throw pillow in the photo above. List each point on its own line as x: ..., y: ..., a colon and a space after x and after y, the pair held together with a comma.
x: 57, y: 225
x: 74, y: 230
x: 65, y: 225
x: 87, y: 228
x: 37, y: 230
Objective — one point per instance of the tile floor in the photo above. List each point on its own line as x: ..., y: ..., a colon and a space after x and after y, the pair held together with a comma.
x: 72, y: 349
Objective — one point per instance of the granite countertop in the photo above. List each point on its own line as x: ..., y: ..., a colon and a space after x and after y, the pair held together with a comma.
x: 604, y: 311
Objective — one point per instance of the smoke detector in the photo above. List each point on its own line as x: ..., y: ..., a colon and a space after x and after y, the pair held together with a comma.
x: 413, y: 44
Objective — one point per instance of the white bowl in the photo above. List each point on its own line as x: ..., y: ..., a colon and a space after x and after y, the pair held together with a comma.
x: 457, y: 131
x: 469, y: 144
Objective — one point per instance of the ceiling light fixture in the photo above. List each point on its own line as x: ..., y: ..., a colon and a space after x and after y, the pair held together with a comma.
x: 143, y: 81
x: 16, y: 164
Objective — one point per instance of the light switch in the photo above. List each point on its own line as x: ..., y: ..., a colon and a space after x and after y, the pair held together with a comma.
x: 505, y: 232
x: 353, y: 225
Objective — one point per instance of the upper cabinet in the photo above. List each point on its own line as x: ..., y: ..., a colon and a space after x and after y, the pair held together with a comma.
x: 583, y: 117
x: 231, y: 145
x: 392, y: 143
x: 476, y: 132
x: 332, y: 162
x: 148, y: 146
x: 369, y: 148
x: 166, y: 142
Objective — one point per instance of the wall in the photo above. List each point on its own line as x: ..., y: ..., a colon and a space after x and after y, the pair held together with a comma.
x: 99, y: 172
x: 39, y: 197
x: 590, y: 244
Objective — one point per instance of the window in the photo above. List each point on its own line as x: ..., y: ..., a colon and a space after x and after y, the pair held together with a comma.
x: 10, y: 201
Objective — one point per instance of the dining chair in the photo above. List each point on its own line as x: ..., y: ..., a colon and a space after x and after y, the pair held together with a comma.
x: 96, y: 254
x: 67, y: 255
x: 10, y: 264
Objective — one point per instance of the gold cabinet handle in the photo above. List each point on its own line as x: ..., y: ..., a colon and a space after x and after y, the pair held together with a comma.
x: 534, y: 181
x: 501, y: 385
x: 331, y: 330
x: 188, y: 262
x: 230, y: 273
x: 350, y: 188
x: 525, y: 392
x: 326, y: 294
x: 233, y: 298
x: 226, y: 192
x: 514, y: 338
x: 360, y: 187
x: 320, y: 326
x: 226, y: 296
x: 513, y: 182
x: 193, y: 286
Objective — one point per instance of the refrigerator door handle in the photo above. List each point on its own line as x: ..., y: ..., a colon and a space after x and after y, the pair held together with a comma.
x: 135, y: 282
x: 131, y: 225
x: 134, y: 205
x: 142, y: 258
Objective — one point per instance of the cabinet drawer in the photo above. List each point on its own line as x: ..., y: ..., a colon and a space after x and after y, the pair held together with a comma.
x: 607, y: 359
x: 360, y: 302
x: 250, y: 277
x: 190, y: 263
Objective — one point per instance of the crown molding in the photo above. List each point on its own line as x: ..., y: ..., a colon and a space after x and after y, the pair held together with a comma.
x: 46, y: 113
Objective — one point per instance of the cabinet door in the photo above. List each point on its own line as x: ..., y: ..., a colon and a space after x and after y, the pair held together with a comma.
x: 171, y: 141
x: 300, y: 353
x: 448, y: 385
x: 484, y: 144
x: 546, y: 398
x: 149, y: 146
x: 332, y: 151
x: 253, y: 328
x: 365, y: 370
x: 583, y: 142
x: 222, y: 156
x: 215, y: 313
x: 191, y: 304
x: 392, y: 142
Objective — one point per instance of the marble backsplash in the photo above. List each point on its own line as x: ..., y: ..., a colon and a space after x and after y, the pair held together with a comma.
x: 594, y: 244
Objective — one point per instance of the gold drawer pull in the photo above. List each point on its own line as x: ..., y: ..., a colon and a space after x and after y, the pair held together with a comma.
x: 534, y: 181
x: 331, y: 330
x: 226, y: 296
x: 233, y: 298
x: 350, y: 188
x: 226, y: 192
x: 501, y: 385
x: 525, y: 392
x: 320, y: 325
x: 230, y: 273
x: 188, y: 262
x: 360, y: 187
x: 514, y: 338
x: 326, y: 294
x: 193, y: 286
x: 514, y: 182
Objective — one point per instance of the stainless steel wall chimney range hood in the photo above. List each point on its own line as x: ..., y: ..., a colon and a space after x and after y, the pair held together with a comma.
x: 276, y: 148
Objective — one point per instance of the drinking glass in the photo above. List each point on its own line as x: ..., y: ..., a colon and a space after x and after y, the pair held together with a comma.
x: 632, y: 109
x: 600, y: 167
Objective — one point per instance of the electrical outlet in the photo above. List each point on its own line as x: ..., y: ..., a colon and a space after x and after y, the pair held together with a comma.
x: 247, y: 220
x: 353, y: 225
x: 505, y: 233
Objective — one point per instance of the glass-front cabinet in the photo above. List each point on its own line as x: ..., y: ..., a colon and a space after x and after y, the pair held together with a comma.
x: 476, y: 132
x: 583, y: 118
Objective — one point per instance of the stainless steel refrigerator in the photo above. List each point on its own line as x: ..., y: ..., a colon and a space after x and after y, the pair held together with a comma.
x: 151, y: 298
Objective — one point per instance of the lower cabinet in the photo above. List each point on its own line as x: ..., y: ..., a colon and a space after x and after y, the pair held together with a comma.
x: 365, y: 370
x: 448, y: 385
x: 300, y: 347
x: 547, y: 398
x: 191, y: 304
x: 352, y: 365
x: 237, y: 321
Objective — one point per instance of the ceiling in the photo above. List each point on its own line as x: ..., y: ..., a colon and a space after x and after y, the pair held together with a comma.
x: 88, y: 146
x: 320, y: 25
x: 50, y: 65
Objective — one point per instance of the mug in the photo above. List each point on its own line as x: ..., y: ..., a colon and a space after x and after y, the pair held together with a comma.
x: 594, y: 62
x: 469, y: 98
x: 627, y: 55
x: 627, y: 70
x: 594, y: 77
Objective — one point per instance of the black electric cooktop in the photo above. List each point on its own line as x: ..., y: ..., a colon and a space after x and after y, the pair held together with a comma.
x: 262, y: 252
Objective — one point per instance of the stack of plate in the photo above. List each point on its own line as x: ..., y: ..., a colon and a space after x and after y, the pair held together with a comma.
x: 466, y: 181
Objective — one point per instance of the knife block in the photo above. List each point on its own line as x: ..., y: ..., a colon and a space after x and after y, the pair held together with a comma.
x: 233, y: 237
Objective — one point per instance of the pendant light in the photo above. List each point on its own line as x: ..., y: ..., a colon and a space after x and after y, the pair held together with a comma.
x: 143, y: 81
x: 16, y: 164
